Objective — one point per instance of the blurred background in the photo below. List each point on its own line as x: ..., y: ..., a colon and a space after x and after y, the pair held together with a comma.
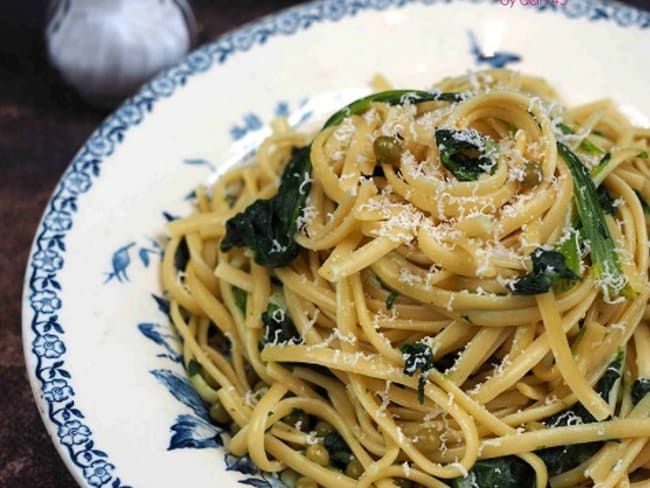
x: 43, y: 122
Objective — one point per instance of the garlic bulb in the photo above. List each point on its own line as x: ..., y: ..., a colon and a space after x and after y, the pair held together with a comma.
x: 107, y: 48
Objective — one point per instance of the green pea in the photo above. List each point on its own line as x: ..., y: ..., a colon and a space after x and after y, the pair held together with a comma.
x: 323, y: 428
x: 532, y: 174
x: 219, y: 414
x: 354, y: 469
x: 299, y: 417
x: 290, y: 478
x: 388, y: 150
x: 210, y: 380
x: 429, y: 437
x: 318, y: 454
x: 306, y: 483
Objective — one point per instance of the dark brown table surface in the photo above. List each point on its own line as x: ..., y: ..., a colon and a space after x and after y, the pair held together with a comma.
x: 42, y: 124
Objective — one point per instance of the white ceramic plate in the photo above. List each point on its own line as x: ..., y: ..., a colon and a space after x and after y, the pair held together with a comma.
x: 102, y: 358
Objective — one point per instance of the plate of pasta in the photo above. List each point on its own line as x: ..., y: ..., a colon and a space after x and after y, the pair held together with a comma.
x: 308, y: 257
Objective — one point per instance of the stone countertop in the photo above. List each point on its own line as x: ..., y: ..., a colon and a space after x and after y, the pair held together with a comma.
x: 42, y: 125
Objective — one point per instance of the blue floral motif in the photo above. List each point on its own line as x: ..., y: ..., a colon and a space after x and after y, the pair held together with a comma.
x: 49, y: 346
x: 144, y: 253
x: 251, y: 123
x: 199, y: 60
x: 73, y: 432
x: 180, y: 388
x: 130, y: 114
x: 99, y: 472
x: 100, y: 146
x: 257, y: 483
x: 45, y: 301
x: 163, y: 86
x: 155, y: 332
x: 169, y: 217
x: 243, y: 464
x: 48, y: 326
x: 282, y: 109
x: 194, y: 432
x: 57, y: 391
x: 58, y: 220
x: 120, y: 263
x: 499, y: 59
x: 189, y: 430
x: 200, y: 162
x: 626, y: 16
x: 121, y: 259
x: 77, y: 182
x: 48, y: 260
x: 288, y: 23
x: 337, y: 10
x: 162, y: 303
x: 244, y: 38
x: 576, y: 9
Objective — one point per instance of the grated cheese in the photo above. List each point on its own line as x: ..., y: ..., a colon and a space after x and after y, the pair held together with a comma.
x: 345, y: 131
x: 450, y: 302
x: 461, y: 468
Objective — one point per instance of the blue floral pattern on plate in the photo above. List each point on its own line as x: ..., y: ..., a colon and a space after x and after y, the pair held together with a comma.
x: 499, y: 59
x: 42, y: 286
x: 194, y: 429
x: 121, y: 259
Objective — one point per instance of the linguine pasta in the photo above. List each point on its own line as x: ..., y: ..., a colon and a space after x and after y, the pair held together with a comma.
x: 444, y: 288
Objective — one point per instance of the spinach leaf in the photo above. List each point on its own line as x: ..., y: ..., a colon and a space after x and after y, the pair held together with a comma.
x: 560, y: 459
x: 570, y: 248
x: 564, y: 458
x: 512, y: 472
x: 548, y: 267
x: 640, y: 389
x: 390, y: 299
x: 268, y: 226
x: 278, y: 327
x: 605, y: 263
x: 465, y: 153
x: 503, y: 472
x: 417, y: 356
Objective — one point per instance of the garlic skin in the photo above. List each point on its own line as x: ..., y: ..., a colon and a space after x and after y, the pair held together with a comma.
x: 106, y: 49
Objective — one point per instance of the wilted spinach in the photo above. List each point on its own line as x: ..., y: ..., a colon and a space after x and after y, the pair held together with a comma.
x: 417, y: 356
x: 465, y: 153
x: 548, y: 268
x: 268, y: 226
